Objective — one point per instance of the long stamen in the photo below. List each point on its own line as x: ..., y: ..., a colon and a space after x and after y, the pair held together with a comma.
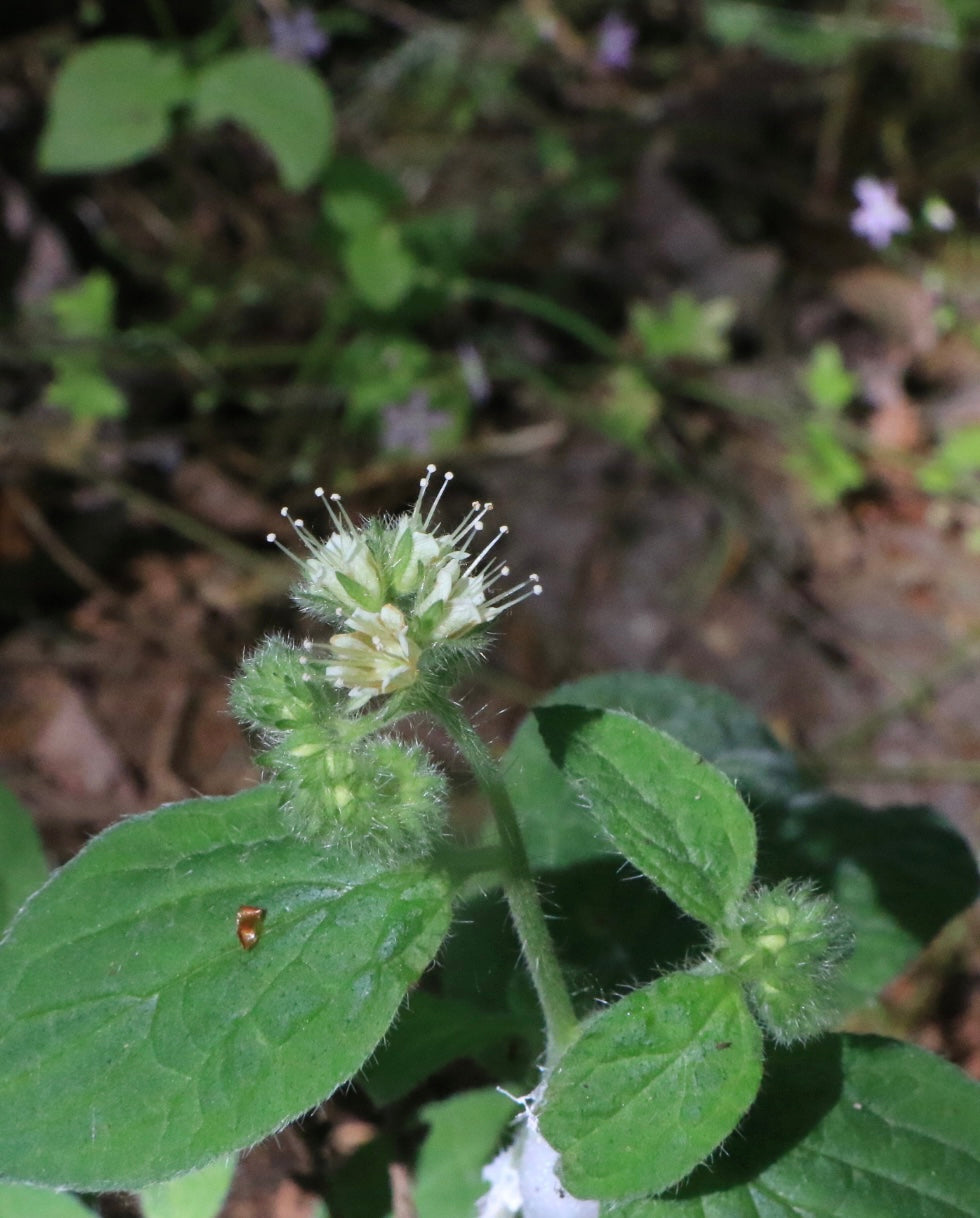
x: 447, y: 477
x: 471, y: 569
x: 339, y: 516
x: 513, y: 596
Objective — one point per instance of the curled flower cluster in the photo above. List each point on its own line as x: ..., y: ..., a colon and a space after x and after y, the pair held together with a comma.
x: 785, y: 944
x: 403, y: 596
x: 405, y: 600
x: 342, y: 783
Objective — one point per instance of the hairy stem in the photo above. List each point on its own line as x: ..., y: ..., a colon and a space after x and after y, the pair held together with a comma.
x: 561, y: 1024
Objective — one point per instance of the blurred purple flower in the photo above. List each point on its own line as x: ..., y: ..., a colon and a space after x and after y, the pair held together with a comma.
x: 411, y: 426
x: 879, y: 215
x: 474, y: 372
x: 297, y: 35
x: 616, y: 39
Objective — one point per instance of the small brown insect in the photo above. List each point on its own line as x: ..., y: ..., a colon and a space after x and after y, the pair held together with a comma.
x: 248, y: 924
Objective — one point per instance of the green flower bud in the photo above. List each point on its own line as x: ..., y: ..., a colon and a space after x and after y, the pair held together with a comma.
x: 273, y: 691
x: 785, y: 944
x: 380, y: 799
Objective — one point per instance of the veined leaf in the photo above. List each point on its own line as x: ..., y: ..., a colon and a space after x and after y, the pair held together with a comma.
x: 652, y: 1086
x: 138, y: 1040
x: 672, y: 814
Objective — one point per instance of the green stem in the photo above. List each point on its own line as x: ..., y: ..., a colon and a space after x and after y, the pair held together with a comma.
x: 561, y: 1023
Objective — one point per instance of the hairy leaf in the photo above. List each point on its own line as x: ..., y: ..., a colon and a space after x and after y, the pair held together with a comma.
x: 672, y: 814
x: 138, y: 1039
x: 848, y: 1127
x: 22, y: 865
x: 652, y: 1086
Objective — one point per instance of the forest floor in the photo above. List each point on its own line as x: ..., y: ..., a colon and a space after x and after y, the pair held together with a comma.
x: 134, y: 573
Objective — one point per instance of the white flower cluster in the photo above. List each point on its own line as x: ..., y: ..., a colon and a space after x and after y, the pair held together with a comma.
x: 398, y: 589
x: 523, y: 1181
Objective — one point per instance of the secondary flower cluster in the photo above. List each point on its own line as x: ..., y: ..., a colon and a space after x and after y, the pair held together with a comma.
x: 403, y: 596
x: 786, y: 944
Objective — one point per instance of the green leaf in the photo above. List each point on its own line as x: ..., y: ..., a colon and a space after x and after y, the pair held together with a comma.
x: 463, y: 1135
x: 381, y: 269
x: 685, y: 329
x: 23, y: 1201
x: 138, y: 1039
x: 199, y: 1194
x: 559, y: 831
x: 629, y: 404
x: 22, y: 864
x: 84, y: 390
x: 672, y: 814
x: 284, y: 105
x: 955, y: 464
x: 353, y: 211
x: 852, y: 1126
x: 652, y: 1086
x: 87, y: 308
x: 825, y: 463
x: 111, y: 106
x: 827, y: 381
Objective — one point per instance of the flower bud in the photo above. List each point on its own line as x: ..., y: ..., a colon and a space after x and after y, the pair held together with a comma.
x: 273, y: 691
x: 785, y: 944
x: 379, y: 798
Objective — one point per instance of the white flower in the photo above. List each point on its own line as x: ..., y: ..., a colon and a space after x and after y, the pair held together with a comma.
x: 375, y: 656
x: 523, y: 1180
x: 394, y: 589
x: 542, y: 1193
x: 343, y: 573
x: 504, y: 1197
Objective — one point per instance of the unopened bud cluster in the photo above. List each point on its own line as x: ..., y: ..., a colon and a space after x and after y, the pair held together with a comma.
x: 406, y: 602
x: 786, y: 944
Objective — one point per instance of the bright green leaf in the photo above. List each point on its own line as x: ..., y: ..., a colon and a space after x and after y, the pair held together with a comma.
x: 138, y: 1039
x: 22, y: 865
x: 629, y: 404
x: 23, y: 1201
x: 463, y: 1135
x: 199, y: 1194
x: 955, y: 465
x: 111, y: 106
x: 83, y: 389
x: 353, y: 210
x: 685, y: 329
x: 825, y: 463
x: 827, y: 381
x: 675, y: 816
x: 381, y: 269
x: 652, y: 1086
x: 284, y: 105
x: 848, y: 1127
